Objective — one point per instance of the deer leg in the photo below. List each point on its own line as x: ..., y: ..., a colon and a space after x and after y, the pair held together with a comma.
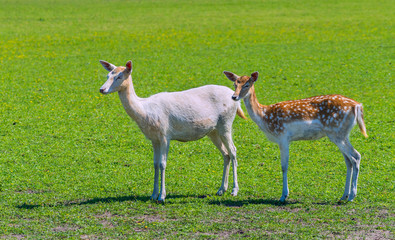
x: 348, y: 179
x: 157, y: 158
x: 355, y: 159
x: 162, y: 166
x: 284, y: 151
x: 228, y: 142
x: 218, y: 143
x: 352, y: 158
x: 160, y: 157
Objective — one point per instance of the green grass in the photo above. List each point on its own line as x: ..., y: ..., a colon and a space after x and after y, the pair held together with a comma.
x: 73, y: 165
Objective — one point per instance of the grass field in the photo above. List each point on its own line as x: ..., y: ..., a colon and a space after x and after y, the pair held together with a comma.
x: 73, y: 164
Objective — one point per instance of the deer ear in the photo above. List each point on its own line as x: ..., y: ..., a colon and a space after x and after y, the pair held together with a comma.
x: 108, y: 66
x: 129, y: 66
x: 232, y: 77
x: 254, y: 76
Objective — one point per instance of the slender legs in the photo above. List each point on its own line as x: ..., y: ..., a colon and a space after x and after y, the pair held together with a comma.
x: 284, y: 149
x: 227, y: 140
x: 218, y: 143
x: 225, y: 145
x: 161, y: 150
x: 352, y: 159
x: 348, y: 179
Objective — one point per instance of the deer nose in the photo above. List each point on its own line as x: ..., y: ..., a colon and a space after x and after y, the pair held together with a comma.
x: 101, y: 90
x: 235, y: 97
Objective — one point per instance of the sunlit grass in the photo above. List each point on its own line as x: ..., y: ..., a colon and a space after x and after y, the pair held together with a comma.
x: 72, y: 163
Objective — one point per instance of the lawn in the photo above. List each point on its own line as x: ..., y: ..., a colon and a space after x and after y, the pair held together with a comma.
x: 74, y: 165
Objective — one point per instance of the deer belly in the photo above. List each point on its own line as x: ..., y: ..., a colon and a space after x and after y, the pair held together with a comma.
x: 191, y: 131
x: 305, y: 130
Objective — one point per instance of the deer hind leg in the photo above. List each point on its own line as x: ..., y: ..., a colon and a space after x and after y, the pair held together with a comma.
x: 348, y: 179
x: 355, y: 159
x: 229, y: 145
x: 215, y: 138
x: 352, y: 159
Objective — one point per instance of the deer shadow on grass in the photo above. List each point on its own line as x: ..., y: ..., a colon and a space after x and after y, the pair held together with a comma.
x: 274, y: 202
x: 133, y: 198
x: 96, y: 200
x: 99, y: 200
x: 255, y: 201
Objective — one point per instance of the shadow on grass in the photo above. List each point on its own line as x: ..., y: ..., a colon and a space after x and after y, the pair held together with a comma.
x: 331, y: 203
x: 86, y: 202
x: 240, y: 203
x: 105, y: 200
x: 225, y: 202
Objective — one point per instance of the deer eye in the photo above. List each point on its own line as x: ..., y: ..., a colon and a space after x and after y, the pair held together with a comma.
x: 118, y: 77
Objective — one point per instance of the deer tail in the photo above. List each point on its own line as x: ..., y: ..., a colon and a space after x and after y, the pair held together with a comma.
x: 240, y: 112
x: 360, y: 121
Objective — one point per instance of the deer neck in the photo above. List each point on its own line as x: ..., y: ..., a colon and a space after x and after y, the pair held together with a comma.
x: 256, y: 110
x: 131, y: 102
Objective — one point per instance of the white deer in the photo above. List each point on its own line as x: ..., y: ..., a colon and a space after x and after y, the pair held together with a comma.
x: 184, y: 116
x: 306, y: 119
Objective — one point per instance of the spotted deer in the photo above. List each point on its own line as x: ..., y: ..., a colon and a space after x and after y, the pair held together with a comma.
x: 306, y: 119
x: 184, y: 116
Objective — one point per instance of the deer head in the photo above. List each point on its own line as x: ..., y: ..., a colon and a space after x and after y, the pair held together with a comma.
x: 242, y: 84
x: 116, y: 77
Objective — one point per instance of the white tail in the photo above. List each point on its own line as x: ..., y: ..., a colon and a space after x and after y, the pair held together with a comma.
x: 183, y: 116
x: 306, y: 119
x: 360, y: 121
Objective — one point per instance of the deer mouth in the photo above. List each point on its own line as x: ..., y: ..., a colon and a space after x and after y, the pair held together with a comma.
x: 235, y: 98
x: 103, y: 91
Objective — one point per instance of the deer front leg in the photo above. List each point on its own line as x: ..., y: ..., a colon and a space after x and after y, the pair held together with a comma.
x: 164, y: 148
x: 161, y: 150
x: 284, y: 149
x: 157, y: 157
